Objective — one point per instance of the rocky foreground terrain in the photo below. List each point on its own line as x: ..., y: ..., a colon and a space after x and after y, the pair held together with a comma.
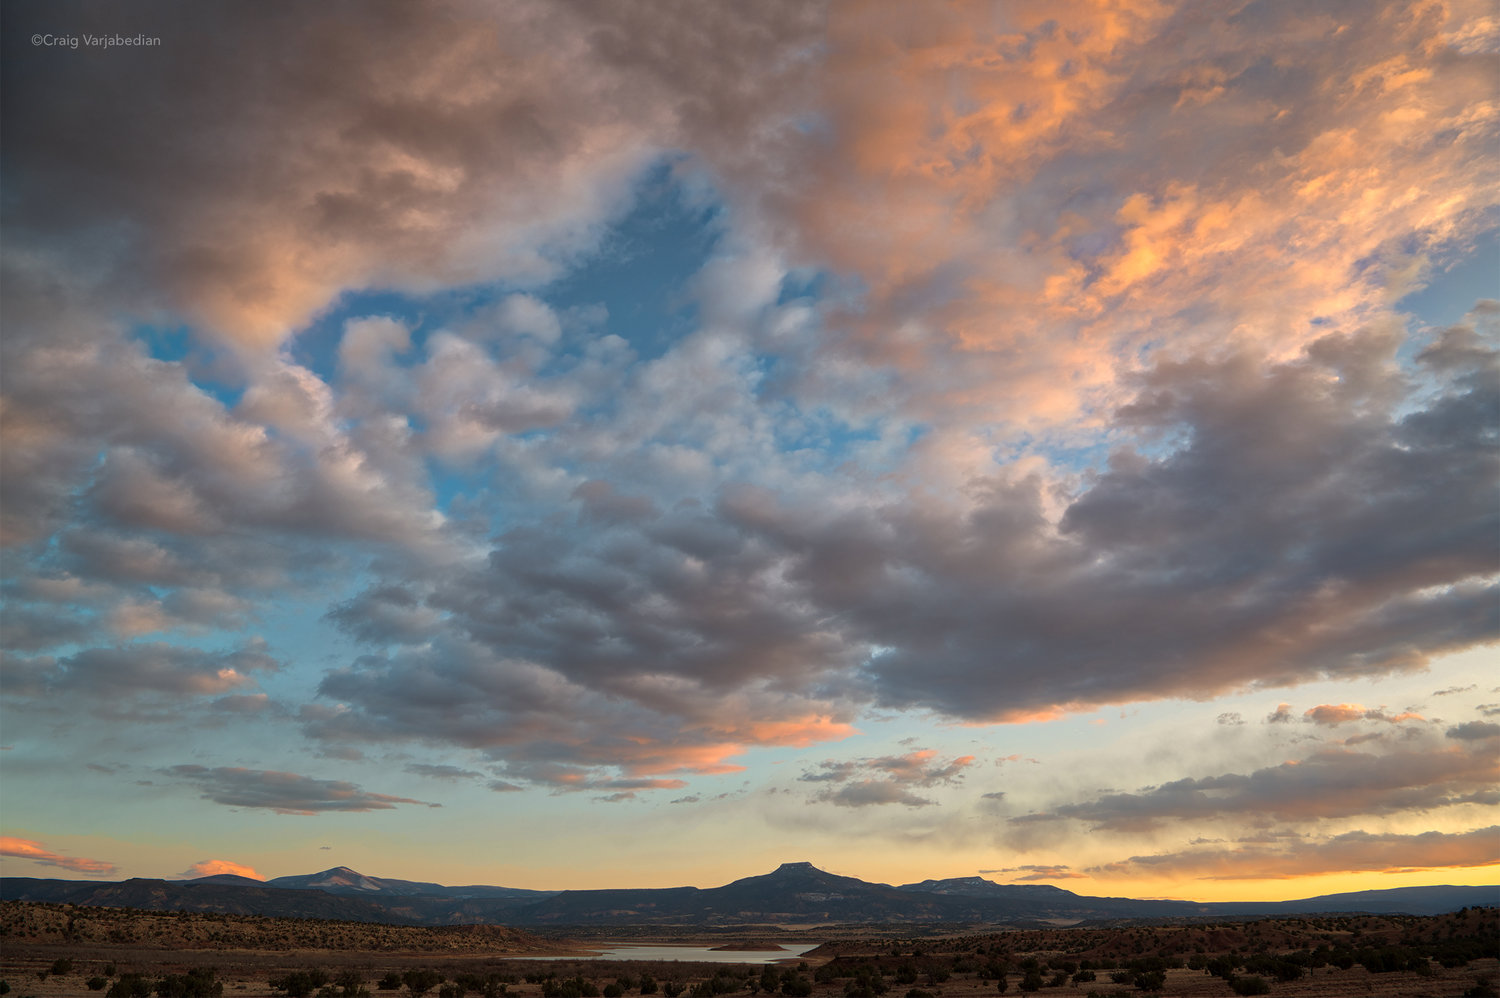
x: 55, y: 950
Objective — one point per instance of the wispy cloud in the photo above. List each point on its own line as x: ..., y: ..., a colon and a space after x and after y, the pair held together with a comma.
x: 1351, y: 852
x: 1328, y: 783
x: 1031, y: 873
x: 284, y: 793
x: 37, y: 853
x: 885, y: 779
x: 442, y: 772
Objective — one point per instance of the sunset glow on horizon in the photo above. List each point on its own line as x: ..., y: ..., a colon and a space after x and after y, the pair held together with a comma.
x: 563, y: 445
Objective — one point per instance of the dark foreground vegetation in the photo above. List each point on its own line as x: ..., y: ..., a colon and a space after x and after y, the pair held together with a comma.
x: 50, y: 950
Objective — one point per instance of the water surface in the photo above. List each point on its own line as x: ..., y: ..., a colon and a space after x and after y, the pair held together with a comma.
x: 695, y: 954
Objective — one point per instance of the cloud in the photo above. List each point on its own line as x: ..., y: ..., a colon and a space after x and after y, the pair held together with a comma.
x: 885, y: 779
x: 863, y: 793
x: 1335, y: 714
x: 37, y: 853
x: 219, y: 867
x: 284, y: 793
x: 441, y: 772
x: 1474, y: 730
x: 384, y: 615
x: 245, y: 704
x: 592, y: 559
x: 990, y: 611
x: 1351, y: 852
x: 1002, y: 603
x: 1332, y: 714
x: 547, y: 728
x: 1001, y: 197
x: 107, y: 676
x: 1031, y: 873
x: 393, y: 164
x: 1329, y: 783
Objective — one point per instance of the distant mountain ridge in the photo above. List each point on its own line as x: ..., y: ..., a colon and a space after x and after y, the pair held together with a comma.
x: 342, y: 880
x: 793, y: 893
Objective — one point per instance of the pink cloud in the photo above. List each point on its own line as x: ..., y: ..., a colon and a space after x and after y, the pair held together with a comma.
x: 218, y: 867
x: 37, y: 853
x: 1334, y: 713
x: 1337, y: 713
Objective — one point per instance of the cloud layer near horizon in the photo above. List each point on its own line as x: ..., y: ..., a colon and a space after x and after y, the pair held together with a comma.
x: 1034, y: 362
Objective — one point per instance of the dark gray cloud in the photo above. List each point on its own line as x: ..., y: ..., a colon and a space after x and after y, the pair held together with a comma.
x: 1244, y: 526
x: 1234, y: 509
x: 391, y: 154
x: 305, y: 160
x: 1474, y: 730
x: 389, y: 614
x: 1246, y: 531
x: 284, y: 793
x: 109, y: 676
x: 541, y: 727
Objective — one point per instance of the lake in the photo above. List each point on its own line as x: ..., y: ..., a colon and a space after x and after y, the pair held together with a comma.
x: 695, y: 954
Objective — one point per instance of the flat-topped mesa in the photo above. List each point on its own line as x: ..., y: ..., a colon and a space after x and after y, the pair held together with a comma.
x: 797, y: 868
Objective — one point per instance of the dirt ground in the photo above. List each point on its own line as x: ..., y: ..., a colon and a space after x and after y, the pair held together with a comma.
x: 34, y: 938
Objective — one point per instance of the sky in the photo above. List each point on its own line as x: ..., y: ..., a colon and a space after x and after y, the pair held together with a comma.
x: 564, y: 444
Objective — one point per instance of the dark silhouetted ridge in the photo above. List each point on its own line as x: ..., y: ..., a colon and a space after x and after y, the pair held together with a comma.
x: 793, y: 893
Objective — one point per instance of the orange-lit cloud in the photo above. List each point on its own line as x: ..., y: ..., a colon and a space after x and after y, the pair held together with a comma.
x: 1334, y: 714
x: 1351, y: 852
x: 37, y: 853
x: 216, y: 867
x: 1062, y: 187
x: 801, y: 732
